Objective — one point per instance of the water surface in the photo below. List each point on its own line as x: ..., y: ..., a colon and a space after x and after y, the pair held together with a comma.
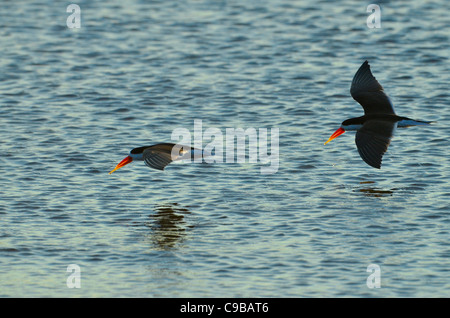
x: 73, y: 102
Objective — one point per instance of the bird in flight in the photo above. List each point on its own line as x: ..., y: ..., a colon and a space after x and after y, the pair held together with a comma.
x: 375, y: 129
x: 160, y: 155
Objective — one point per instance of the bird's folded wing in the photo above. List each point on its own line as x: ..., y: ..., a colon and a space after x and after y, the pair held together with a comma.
x: 373, y: 139
x: 366, y: 90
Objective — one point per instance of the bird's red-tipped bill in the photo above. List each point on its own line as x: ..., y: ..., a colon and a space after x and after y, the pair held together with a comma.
x: 337, y: 133
x: 124, y: 162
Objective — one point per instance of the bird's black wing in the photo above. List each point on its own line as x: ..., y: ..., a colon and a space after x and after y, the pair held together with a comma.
x: 157, y: 160
x: 373, y: 139
x: 159, y: 156
x: 369, y: 93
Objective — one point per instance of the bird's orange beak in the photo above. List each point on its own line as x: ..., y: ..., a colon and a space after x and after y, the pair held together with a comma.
x: 124, y: 162
x: 337, y: 133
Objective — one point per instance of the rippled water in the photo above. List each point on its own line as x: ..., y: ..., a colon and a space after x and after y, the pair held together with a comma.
x: 73, y: 102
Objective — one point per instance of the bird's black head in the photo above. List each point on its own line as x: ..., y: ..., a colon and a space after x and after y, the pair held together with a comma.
x: 353, y: 121
x: 138, y: 150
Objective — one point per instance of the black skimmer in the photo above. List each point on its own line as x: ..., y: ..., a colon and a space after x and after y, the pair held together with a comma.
x: 160, y: 155
x: 375, y: 129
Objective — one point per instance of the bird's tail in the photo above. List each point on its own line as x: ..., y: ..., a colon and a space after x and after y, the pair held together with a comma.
x: 411, y: 122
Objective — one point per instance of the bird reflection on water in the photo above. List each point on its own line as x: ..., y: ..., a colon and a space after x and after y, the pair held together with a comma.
x: 168, y: 225
x: 373, y: 191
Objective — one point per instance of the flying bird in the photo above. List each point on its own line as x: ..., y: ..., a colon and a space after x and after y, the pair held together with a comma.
x: 160, y: 155
x: 375, y: 129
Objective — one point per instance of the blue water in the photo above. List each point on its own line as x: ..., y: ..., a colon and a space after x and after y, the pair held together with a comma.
x: 74, y: 102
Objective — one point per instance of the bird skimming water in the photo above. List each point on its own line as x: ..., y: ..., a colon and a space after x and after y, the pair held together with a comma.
x: 160, y: 155
x: 375, y: 129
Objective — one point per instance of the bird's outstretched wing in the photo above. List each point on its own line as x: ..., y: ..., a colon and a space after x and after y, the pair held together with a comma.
x: 369, y: 93
x: 156, y: 159
x: 161, y: 155
x: 373, y: 139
